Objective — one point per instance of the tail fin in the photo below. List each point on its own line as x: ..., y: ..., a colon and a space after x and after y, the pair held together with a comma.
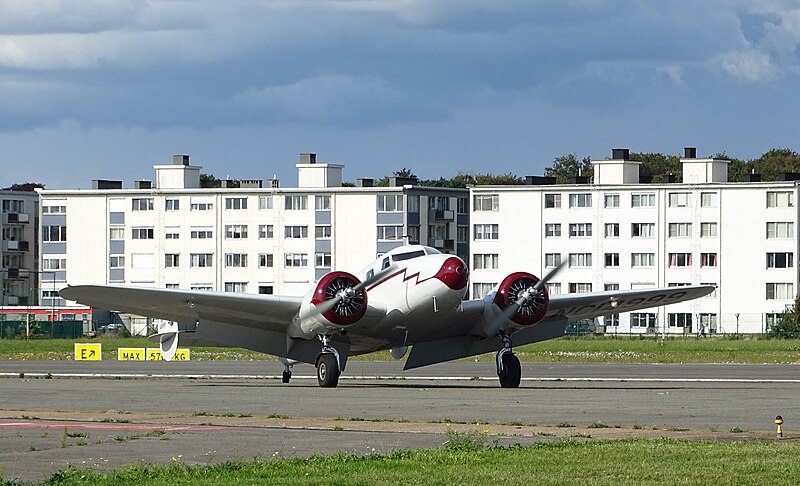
x: 167, y: 338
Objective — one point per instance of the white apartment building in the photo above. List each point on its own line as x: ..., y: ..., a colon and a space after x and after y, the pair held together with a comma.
x: 618, y: 233
x: 19, y: 250
x: 242, y: 237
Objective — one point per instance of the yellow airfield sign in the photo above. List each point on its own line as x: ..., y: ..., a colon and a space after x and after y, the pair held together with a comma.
x: 130, y: 354
x: 154, y: 354
x: 88, y: 351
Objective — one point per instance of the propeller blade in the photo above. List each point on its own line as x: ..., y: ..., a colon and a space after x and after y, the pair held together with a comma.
x: 329, y: 304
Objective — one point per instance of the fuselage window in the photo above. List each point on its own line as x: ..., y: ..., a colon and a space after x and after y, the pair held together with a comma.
x: 407, y: 256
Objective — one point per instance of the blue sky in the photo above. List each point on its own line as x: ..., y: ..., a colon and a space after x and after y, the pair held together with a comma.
x: 106, y: 89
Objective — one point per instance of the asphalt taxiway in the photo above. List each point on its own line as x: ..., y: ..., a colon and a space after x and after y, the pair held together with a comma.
x: 204, y: 412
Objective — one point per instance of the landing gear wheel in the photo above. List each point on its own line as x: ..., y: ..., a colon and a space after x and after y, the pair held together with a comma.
x: 328, y: 371
x: 511, y: 374
x: 287, y: 375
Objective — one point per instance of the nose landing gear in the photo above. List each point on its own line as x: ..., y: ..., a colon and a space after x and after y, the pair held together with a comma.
x: 508, y: 368
x: 328, y: 370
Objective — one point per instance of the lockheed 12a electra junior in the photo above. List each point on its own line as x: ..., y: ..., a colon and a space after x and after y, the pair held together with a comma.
x: 413, y: 296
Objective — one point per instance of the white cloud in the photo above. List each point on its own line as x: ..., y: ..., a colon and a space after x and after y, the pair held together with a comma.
x: 749, y: 65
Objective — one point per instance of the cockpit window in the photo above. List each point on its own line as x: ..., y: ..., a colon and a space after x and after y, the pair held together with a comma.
x: 385, y: 263
x: 407, y: 256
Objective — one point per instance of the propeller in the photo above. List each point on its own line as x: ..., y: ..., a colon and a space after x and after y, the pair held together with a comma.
x: 524, y: 297
x: 349, y: 293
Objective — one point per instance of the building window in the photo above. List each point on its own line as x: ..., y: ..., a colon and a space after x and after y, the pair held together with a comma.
x: 413, y: 234
x: 54, y: 264
x: 611, y: 321
x: 487, y: 202
x: 708, y: 230
x: 486, y: 231
x: 236, y: 260
x: 680, y: 199
x: 708, y: 321
x: 780, y: 230
x: 413, y: 204
x: 322, y: 260
x: 643, y: 259
x: 462, y: 234
x: 201, y: 287
x: 708, y: 259
x: 643, y: 319
x: 322, y: 203
x: 780, y: 260
x: 390, y: 232
x: 709, y: 199
x: 296, y: 232
x: 172, y: 286
x: 580, y: 287
x: 172, y: 260
x: 552, y: 230
x: 611, y: 200
x: 116, y: 261
x: 713, y: 294
x: 235, y: 203
x: 265, y: 260
x: 680, y: 230
x: 552, y: 200
x: 780, y: 291
x: 322, y: 232
x: 142, y: 204
x: 772, y: 319
x: 172, y: 204
x: 580, y: 230
x: 116, y: 233
x: 142, y: 233
x: 53, y: 210
x: 54, y: 233
x: 481, y: 290
x: 485, y: 261
x: 643, y: 230
x: 265, y: 231
x: 612, y: 230
x: 201, y: 233
x: 580, y: 260
x: 296, y: 203
x: 201, y: 260
x: 612, y: 259
x: 201, y: 206
x: 239, y: 287
x: 265, y: 202
x: 439, y: 231
x: 462, y: 205
x: 580, y: 200
x: 552, y: 260
x: 296, y: 260
x: 554, y: 288
x: 780, y: 199
x: 439, y: 203
x: 236, y: 232
x: 390, y: 203
x: 643, y: 200
x: 679, y: 319
x: 680, y: 259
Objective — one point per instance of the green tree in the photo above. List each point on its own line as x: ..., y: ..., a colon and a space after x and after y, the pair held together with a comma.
x: 208, y: 181
x: 776, y: 161
x: 566, y: 166
x: 25, y: 186
x: 656, y: 166
x: 789, y: 325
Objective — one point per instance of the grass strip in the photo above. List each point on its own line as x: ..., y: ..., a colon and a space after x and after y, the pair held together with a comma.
x: 612, y: 463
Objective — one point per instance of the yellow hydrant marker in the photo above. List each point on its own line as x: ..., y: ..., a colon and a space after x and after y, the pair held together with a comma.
x: 779, y: 422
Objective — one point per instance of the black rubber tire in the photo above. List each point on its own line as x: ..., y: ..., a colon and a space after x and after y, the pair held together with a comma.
x: 327, y: 371
x: 287, y: 375
x: 512, y: 371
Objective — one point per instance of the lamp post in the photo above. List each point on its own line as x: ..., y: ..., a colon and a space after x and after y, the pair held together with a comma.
x: 737, y: 324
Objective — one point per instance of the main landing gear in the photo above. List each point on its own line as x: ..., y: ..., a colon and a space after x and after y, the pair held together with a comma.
x: 328, y: 371
x: 508, y: 367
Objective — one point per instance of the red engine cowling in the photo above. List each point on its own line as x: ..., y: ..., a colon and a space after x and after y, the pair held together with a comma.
x: 350, y: 309
x: 531, y: 311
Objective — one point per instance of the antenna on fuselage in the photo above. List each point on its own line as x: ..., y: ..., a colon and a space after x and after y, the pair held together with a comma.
x: 406, y: 240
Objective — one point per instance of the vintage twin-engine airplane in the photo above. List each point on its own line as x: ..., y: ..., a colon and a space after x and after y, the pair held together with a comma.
x: 411, y: 296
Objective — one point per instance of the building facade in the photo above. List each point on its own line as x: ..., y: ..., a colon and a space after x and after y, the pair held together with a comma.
x: 19, y: 248
x: 242, y: 237
x: 617, y: 233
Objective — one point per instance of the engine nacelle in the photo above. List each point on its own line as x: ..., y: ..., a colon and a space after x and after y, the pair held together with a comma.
x: 350, y: 309
x: 534, y: 309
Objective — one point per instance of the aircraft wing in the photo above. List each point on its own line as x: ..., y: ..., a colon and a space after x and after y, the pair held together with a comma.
x: 584, y: 306
x: 265, y: 312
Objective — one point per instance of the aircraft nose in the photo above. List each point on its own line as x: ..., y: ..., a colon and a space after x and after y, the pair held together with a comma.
x: 454, y: 273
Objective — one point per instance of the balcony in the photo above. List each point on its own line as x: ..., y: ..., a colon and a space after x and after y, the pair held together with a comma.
x: 441, y: 215
x: 13, y: 245
x: 441, y: 244
x: 16, y: 273
x: 16, y: 218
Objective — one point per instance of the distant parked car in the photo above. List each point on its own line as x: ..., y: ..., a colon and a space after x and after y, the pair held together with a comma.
x: 580, y: 328
x: 114, y: 326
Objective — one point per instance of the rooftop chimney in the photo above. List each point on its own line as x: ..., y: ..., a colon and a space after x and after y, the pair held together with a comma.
x: 180, y: 160
x: 143, y: 184
x: 106, y: 184
x: 365, y: 182
x: 308, y: 158
x: 690, y: 152
x: 274, y: 183
x: 620, y: 154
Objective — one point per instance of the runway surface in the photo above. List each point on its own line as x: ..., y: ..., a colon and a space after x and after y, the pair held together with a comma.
x: 208, y: 412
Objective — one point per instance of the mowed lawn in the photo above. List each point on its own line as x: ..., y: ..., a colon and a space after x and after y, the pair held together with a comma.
x: 591, y: 349
x: 630, y: 462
